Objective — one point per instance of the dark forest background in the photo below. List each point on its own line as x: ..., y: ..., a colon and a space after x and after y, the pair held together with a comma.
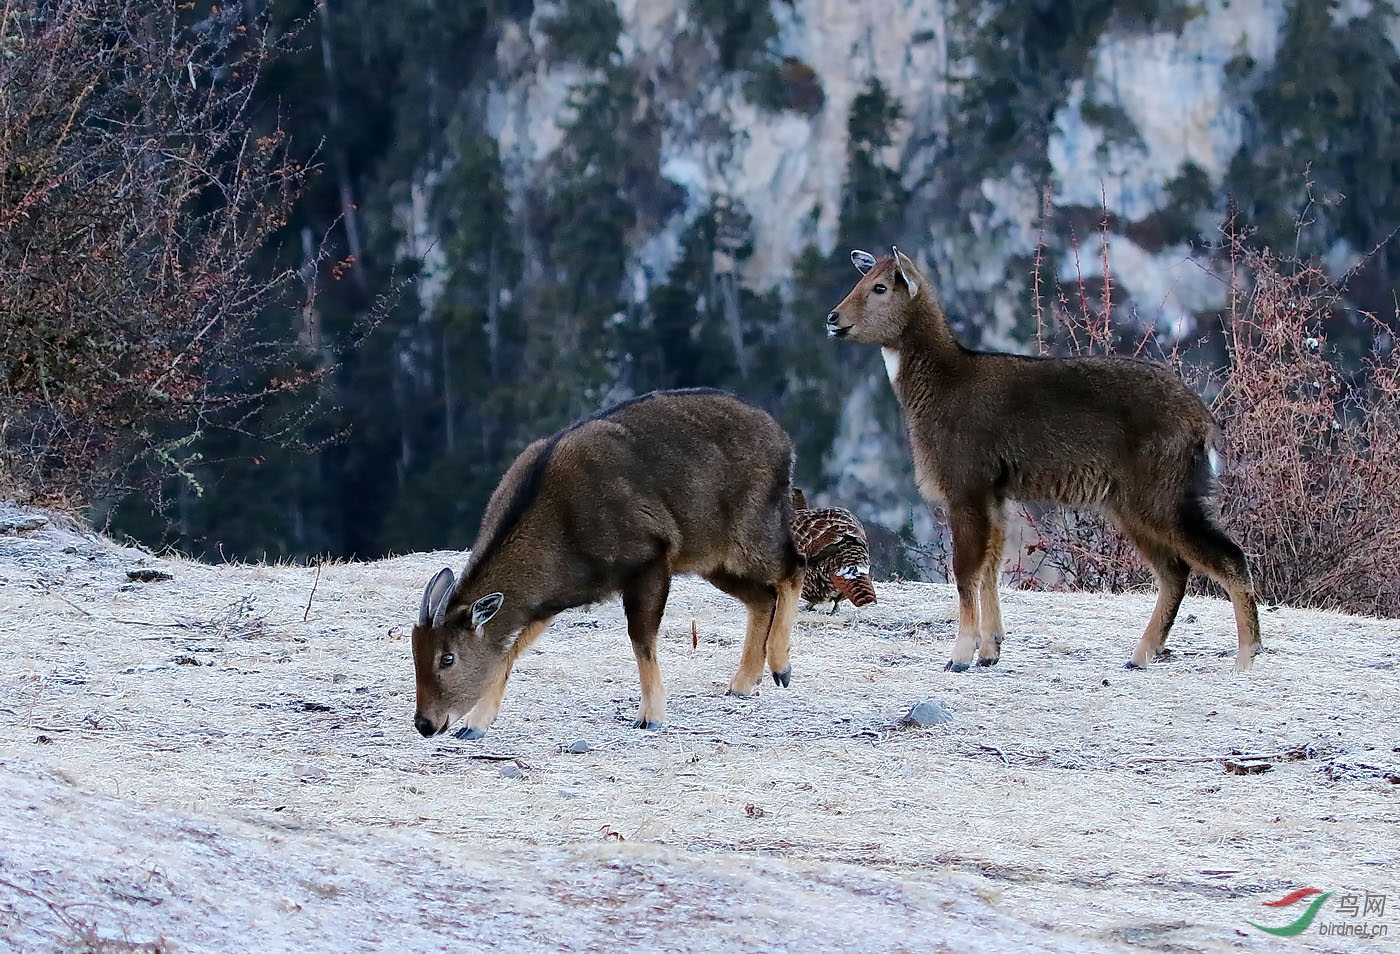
x: 373, y: 418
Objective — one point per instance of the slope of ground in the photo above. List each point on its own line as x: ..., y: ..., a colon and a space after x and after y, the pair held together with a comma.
x: 226, y: 759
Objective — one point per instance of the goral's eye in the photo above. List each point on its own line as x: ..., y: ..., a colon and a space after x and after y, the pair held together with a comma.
x: 879, y: 289
x: 447, y: 660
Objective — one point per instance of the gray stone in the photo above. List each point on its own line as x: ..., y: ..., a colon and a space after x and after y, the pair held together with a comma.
x: 577, y: 747
x: 926, y: 714
x: 511, y: 770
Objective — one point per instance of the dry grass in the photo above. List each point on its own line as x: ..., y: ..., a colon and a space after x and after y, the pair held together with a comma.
x: 204, y: 760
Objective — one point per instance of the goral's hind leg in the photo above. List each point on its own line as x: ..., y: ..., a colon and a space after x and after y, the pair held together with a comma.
x: 1160, y: 546
x: 780, y: 630
x: 971, y: 527
x: 745, y: 681
x: 989, y: 631
x: 644, y: 602
x: 1172, y: 573
x: 761, y: 601
x: 1209, y: 548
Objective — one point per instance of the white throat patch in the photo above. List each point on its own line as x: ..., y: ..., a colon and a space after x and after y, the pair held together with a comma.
x: 891, y: 357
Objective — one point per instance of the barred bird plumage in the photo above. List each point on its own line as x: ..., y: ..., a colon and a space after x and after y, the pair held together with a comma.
x: 838, y: 555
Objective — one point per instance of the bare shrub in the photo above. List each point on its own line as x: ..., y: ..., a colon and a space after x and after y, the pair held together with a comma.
x: 1311, y: 482
x: 134, y: 196
x: 1311, y: 489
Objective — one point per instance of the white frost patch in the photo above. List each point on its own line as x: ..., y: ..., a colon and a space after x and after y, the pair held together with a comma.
x: 1174, y: 91
x: 125, y: 873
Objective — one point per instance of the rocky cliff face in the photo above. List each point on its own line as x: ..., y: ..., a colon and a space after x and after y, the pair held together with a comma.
x: 1178, y: 110
x: 1166, y: 92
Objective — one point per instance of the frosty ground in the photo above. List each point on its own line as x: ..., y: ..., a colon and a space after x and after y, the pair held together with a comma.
x: 225, y: 760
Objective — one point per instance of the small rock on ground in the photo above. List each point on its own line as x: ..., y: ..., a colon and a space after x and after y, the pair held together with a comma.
x: 925, y: 714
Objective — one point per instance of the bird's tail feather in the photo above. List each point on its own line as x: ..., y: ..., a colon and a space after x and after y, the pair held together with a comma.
x: 855, y: 586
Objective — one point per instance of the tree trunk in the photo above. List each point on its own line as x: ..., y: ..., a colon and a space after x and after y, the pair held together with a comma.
x: 338, y: 159
x: 729, y: 297
x: 449, y: 412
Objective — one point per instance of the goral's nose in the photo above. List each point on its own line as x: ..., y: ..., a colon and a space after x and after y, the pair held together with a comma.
x: 424, y: 726
x: 831, y: 321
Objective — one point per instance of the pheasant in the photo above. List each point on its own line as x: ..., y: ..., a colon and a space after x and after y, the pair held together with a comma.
x: 838, y: 557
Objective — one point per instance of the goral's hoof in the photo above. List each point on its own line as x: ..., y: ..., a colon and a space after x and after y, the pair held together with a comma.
x: 740, y: 695
x: 989, y: 662
x: 783, y: 677
x: 650, y: 726
x: 956, y: 667
x: 1132, y: 665
x: 469, y: 734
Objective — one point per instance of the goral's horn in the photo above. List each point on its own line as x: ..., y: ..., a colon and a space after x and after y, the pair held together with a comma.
x: 435, y: 597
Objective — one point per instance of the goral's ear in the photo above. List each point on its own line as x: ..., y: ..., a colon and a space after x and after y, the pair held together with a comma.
x: 485, y: 608
x: 907, y: 271
x: 863, y: 261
